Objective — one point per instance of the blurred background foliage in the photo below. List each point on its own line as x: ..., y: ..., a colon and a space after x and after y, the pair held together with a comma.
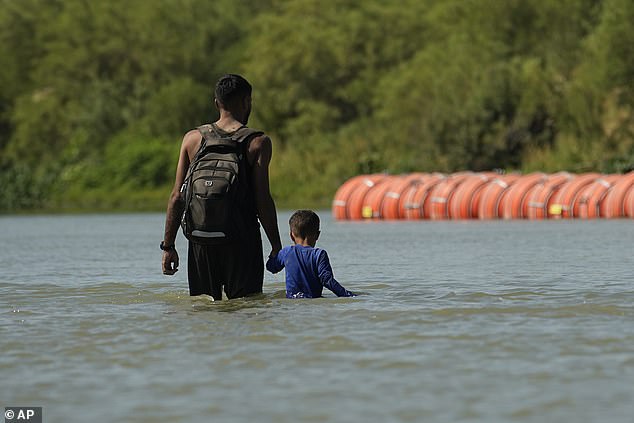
x: 96, y: 95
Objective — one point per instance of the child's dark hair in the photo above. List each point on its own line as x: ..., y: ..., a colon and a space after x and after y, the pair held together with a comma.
x: 304, y: 223
x: 232, y: 88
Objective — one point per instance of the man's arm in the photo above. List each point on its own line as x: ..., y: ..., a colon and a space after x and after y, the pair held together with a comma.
x: 175, y: 204
x: 260, y: 151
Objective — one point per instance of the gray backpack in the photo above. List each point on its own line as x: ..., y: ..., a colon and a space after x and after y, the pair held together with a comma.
x: 214, y: 184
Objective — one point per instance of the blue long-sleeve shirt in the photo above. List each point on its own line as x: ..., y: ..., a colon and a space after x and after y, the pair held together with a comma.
x: 308, y: 270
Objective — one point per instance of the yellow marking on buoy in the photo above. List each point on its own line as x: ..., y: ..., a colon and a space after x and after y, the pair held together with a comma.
x: 555, y: 209
x: 367, y: 212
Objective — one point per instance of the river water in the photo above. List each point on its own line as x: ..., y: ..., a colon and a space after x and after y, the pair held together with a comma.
x: 502, y: 321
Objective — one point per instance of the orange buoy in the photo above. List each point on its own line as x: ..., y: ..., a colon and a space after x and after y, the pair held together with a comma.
x: 374, y: 198
x: 540, y: 196
x: 562, y: 204
x: 441, y: 194
x: 354, y: 206
x: 613, y: 204
x: 464, y: 201
x: 586, y: 205
x: 406, y: 204
x: 475, y: 201
x: 415, y: 202
x: 527, y: 198
x: 492, y: 193
x: 513, y: 204
x: 340, y: 202
x: 390, y: 208
x: 484, y: 195
x: 628, y: 203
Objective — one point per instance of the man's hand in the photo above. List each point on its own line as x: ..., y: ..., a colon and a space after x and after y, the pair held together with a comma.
x: 170, y: 262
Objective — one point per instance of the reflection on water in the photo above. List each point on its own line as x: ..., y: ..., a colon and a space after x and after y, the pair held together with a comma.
x: 477, y: 321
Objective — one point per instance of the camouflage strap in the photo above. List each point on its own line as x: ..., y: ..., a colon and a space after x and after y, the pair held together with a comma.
x: 210, y: 133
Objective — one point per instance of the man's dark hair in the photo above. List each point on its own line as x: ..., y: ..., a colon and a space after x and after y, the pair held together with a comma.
x: 231, y: 89
x: 304, y: 223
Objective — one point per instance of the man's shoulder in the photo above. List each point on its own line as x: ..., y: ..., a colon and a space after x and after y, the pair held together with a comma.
x: 250, y: 132
x: 191, y: 142
x: 192, y: 137
x: 259, y: 140
x: 260, y: 149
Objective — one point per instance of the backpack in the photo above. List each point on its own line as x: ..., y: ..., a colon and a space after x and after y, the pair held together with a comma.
x: 214, y: 185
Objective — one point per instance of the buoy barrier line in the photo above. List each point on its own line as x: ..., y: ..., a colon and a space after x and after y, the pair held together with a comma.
x: 375, y: 197
x: 495, y: 197
x: 540, y: 196
x: 341, y: 197
x: 628, y: 203
x: 590, y: 197
x: 563, y: 203
x: 490, y: 198
x: 390, y: 209
x: 390, y: 203
x: 465, y: 200
x: 354, y: 206
x: 485, y: 195
x: 530, y: 194
x: 405, y: 200
x: 613, y: 204
x: 545, y: 193
x: 514, y: 200
x: 441, y: 195
x: 417, y: 203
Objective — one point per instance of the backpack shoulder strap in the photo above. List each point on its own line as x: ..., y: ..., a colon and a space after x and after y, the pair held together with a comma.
x: 245, y: 134
x: 207, y: 132
x: 212, y: 138
x: 210, y: 135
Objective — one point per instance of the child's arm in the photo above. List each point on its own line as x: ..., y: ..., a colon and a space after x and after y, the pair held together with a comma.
x: 276, y: 263
x: 328, y: 279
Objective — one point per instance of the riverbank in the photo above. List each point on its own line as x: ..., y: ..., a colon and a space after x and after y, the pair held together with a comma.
x: 127, y: 200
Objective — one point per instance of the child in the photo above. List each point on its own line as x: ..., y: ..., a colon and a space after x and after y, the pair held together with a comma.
x: 308, y: 269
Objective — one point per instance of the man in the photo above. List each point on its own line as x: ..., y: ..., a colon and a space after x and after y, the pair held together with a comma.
x: 238, y: 266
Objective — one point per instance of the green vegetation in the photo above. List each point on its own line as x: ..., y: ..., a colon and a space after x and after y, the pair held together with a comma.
x: 96, y: 95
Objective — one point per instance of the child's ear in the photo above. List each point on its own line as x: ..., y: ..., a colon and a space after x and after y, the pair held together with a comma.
x: 292, y: 237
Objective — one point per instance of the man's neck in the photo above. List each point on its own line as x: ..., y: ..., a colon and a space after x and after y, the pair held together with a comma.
x: 228, y: 122
x: 228, y: 125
